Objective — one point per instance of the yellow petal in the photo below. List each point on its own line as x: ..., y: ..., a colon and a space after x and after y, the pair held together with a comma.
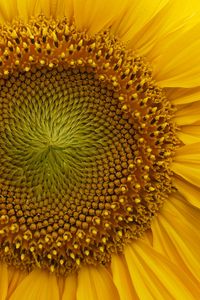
x: 37, y: 285
x: 63, y: 8
x: 183, y: 96
x: 189, y: 134
x: 28, y: 8
x: 188, y: 139
x: 61, y: 285
x: 189, y: 154
x: 8, y: 10
x: 95, y: 15
x: 14, y: 278
x: 121, y: 278
x: 138, y: 14
x: 188, y: 191
x: 55, y: 8
x: 45, y: 7
x: 174, y: 19
x: 177, y: 230
x: 155, y: 277
x: 3, y: 281
x: 187, y: 115
x: 188, y: 172
x: 95, y: 283
x: 187, y: 163
x: 70, y: 287
x: 193, y: 130
x: 170, y: 17
x: 147, y: 237
x: 164, y: 244
x: 179, y: 62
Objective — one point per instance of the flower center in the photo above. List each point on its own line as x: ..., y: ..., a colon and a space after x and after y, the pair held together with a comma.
x: 85, y: 145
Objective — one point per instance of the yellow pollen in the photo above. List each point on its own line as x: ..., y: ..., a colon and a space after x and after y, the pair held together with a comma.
x: 87, y: 252
x: 137, y: 200
x: 17, y: 245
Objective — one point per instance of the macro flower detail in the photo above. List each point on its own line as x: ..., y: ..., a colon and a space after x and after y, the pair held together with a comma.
x: 99, y: 151
x: 84, y: 128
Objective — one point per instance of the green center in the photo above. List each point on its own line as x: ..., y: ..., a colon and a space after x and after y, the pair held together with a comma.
x: 55, y: 137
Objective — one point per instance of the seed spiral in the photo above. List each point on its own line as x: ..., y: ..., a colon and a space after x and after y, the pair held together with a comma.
x: 86, y: 140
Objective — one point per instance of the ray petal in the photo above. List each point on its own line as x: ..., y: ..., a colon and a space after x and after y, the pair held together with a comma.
x: 179, y: 62
x: 183, y: 95
x: 121, y: 278
x: 96, y: 283
x: 155, y: 277
x: 14, y: 277
x: 37, y: 285
x: 93, y: 16
x: 187, y: 115
x: 189, y: 134
x: 28, y: 8
x: 136, y: 17
x: 186, y: 163
x: 3, y: 281
x: 8, y: 10
x: 175, y: 232
x: 190, y: 192
x: 70, y: 287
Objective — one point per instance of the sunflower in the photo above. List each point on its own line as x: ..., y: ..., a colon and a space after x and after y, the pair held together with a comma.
x: 99, y: 149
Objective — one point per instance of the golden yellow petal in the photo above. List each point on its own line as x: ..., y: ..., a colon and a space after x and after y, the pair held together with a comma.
x: 146, y: 38
x: 95, y: 283
x: 95, y: 15
x: 45, y: 7
x: 28, y: 8
x: 189, y: 154
x: 70, y: 287
x: 193, y: 130
x: 190, y: 192
x: 8, y: 10
x: 183, y: 96
x: 186, y: 163
x: 188, y: 114
x: 121, y: 278
x: 155, y: 277
x: 176, y: 233
x: 164, y: 244
x: 188, y: 172
x: 63, y: 8
x: 174, y: 19
x: 179, y: 62
x: 61, y: 285
x: 14, y: 278
x: 49, y: 8
x: 147, y: 237
x: 138, y: 14
x: 3, y: 281
x: 166, y: 21
x: 188, y: 139
x: 37, y: 285
x: 54, y: 8
x: 189, y: 134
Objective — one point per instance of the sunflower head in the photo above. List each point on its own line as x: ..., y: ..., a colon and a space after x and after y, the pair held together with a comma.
x: 99, y: 149
x: 86, y: 140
